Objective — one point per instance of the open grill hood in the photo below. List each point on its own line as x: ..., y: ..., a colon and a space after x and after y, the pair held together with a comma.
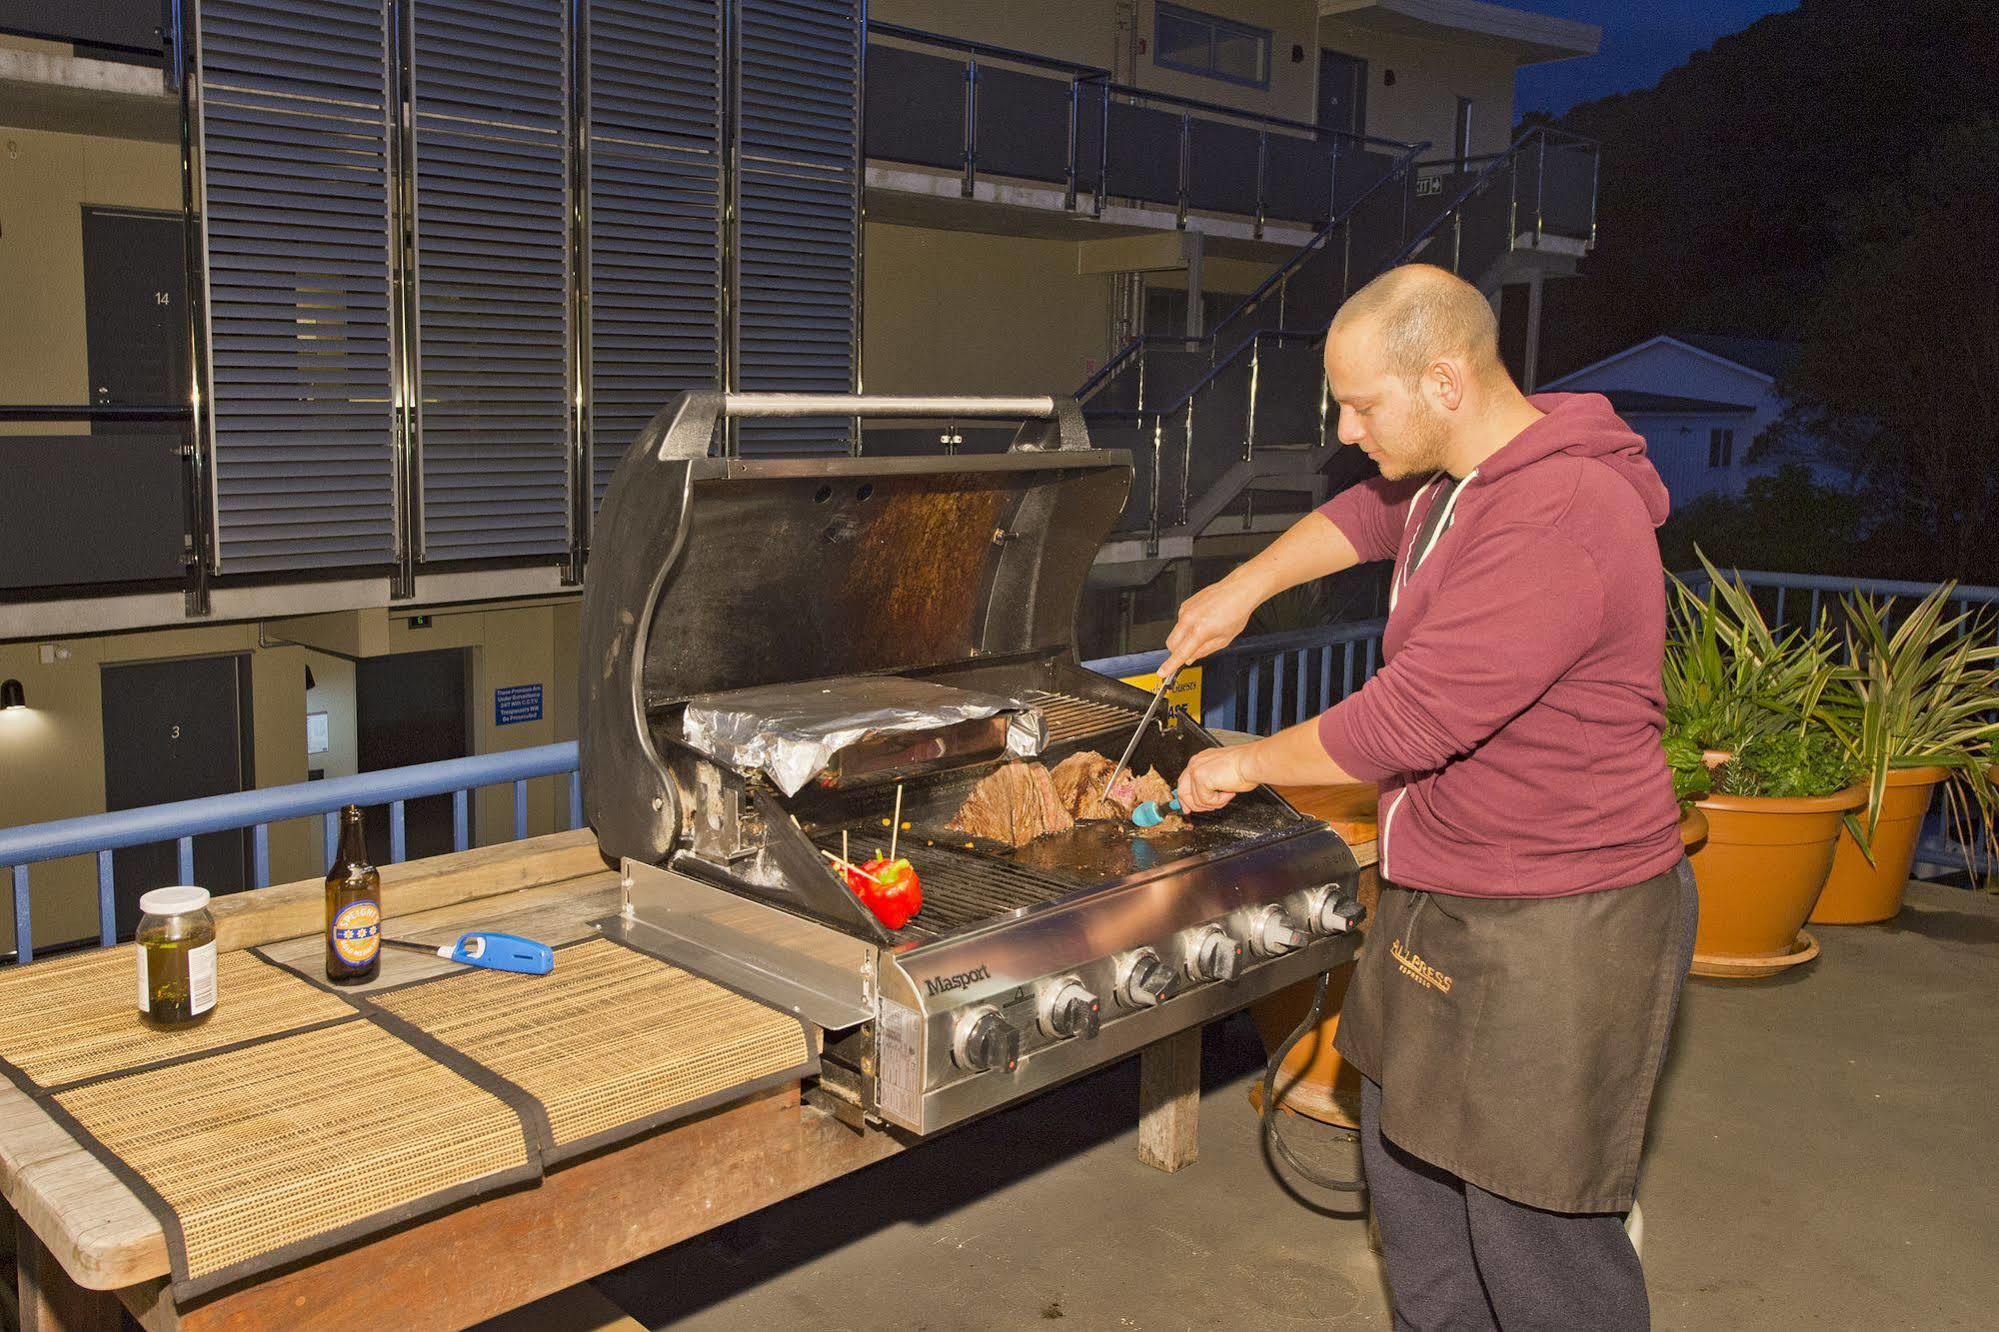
x: 723, y: 573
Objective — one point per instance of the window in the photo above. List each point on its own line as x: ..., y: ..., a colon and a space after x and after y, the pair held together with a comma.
x: 1461, y: 131
x: 1720, y: 448
x: 1197, y: 43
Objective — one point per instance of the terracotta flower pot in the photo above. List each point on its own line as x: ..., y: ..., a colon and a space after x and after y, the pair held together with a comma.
x: 1693, y: 827
x: 1313, y: 1080
x: 1762, y: 867
x: 1859, y: 893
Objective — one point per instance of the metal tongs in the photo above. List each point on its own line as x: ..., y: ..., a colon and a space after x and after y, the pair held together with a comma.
x: 1165, y: 683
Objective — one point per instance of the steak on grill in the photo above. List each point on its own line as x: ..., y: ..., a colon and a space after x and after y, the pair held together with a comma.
x: 1015, y: 804
x: 1131, y: 792
x: 1079, y: 783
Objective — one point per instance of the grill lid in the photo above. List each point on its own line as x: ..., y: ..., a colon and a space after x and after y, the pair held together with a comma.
x: 709, y: 574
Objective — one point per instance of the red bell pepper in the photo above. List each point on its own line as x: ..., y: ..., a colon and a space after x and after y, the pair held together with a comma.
x: 888, y: 888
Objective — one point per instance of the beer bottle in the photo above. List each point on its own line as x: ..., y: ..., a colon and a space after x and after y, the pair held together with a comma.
x: 353, y: 907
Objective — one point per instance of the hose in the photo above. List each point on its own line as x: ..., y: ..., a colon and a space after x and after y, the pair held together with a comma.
x: 1273, y: 1140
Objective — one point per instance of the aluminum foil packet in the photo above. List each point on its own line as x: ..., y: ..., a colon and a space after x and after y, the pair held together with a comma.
x: 792, y: 731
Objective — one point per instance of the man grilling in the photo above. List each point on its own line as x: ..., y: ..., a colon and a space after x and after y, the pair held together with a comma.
x: 1511, y: 1008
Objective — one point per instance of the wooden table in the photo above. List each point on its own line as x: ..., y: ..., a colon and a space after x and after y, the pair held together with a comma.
x: 86, y: 1248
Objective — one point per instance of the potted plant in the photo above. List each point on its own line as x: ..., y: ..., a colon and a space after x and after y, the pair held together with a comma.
x: 1778, y: 779
x: 1914, y: 705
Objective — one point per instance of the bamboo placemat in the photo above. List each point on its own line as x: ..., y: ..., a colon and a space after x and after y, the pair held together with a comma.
x: 76, y: 1017
x: 259, y: 1155
x: 609, y: 1044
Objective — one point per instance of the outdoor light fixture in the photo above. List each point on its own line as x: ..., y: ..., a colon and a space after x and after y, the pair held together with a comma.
x: 12, y: 695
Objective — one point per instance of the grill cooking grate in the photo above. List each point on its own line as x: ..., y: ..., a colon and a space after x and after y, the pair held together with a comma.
x: 1072, y: 718
x: 961, y: 889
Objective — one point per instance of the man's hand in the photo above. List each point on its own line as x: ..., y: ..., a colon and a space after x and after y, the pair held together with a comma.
x: 1209, y: 621
x: 1213, y: 778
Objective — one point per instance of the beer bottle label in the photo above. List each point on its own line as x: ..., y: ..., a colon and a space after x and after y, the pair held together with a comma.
x: 357, y: 933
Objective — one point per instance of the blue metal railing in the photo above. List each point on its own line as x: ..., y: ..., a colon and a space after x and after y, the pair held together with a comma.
x: 1262, y: 685
x: 1265, y: 682
x: 183, y: 820
x: 1818, y: 588
x: 1259, y: 685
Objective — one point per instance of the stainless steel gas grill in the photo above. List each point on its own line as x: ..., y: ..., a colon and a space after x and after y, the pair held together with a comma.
x: 770, y: 583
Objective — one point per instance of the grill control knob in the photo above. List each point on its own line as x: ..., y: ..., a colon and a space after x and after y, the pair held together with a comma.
x: 1144, y: 979
x: 1212, y: 955
x: 1330, y: 911
x: 982, y: 1041
x: 1272, y: 932
x: 1067, y: 1009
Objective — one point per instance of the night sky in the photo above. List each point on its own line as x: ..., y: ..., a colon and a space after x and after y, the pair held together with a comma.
x: 1642, y: 39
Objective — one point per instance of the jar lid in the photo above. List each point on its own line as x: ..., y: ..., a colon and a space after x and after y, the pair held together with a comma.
x: 173, y: 901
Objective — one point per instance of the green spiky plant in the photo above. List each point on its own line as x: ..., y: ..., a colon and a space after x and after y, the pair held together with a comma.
x: 1730, y: 678
x: 1919, y: 693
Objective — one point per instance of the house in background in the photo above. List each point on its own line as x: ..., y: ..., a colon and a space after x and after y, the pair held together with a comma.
x: 1700, y: 400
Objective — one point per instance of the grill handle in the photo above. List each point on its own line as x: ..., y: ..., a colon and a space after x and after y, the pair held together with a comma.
x: 865, y: 404
x: 684, y: 428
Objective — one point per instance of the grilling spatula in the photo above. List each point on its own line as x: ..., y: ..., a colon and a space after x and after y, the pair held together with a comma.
x: 1165, y: 683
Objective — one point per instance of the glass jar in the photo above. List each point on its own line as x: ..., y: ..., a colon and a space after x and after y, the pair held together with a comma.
x: 176, y: 949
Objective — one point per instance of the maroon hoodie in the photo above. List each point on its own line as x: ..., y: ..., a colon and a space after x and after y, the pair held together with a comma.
x: 1514, y: 726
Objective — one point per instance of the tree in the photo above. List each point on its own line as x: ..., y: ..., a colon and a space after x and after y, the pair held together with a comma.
x: 1718, y: 206
x: 1900, y: 370
x: 1782, y: 521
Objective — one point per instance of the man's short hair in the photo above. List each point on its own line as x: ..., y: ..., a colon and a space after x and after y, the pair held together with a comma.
x: 1421, y: 314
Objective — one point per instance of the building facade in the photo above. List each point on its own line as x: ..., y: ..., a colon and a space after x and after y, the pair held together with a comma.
x: 334, y: 317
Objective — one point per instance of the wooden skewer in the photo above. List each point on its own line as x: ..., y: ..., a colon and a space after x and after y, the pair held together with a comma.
x: 895, y: 825
x: 846, y: 864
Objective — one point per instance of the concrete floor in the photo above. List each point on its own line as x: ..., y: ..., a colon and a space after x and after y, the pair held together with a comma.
x: 1823, y: 1154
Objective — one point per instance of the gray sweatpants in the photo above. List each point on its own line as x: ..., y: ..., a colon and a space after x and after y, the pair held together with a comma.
x: 1460, y: 1258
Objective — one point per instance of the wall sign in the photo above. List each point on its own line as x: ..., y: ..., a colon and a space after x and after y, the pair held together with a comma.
x: 516, y: 703
x: 1185, y: 693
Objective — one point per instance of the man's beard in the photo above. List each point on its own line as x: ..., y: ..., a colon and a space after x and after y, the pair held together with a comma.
x: 1423, y: 447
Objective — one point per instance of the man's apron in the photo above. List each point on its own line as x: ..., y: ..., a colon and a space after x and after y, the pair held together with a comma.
x: 1517, y: 1040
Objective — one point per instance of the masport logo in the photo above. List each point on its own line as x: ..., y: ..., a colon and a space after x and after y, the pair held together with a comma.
x: 937, y: 985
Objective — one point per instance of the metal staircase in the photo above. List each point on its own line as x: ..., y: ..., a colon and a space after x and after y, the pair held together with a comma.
x: 1239, y: 419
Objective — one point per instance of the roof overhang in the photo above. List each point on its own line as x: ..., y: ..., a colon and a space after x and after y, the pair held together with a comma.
x: 1530, y: 38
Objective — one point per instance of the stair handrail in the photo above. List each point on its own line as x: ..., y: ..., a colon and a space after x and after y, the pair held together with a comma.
x: 1396, y: 172
x: 1456, y: 206
x: 1250, y: 344
x: 1282, y: 273
x: 1401, y: 257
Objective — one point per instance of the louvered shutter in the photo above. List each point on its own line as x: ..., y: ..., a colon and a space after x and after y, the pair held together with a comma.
x: 490, y: 97
x: 295, y: 223
x: 655, y: 213
x: 797, y: 187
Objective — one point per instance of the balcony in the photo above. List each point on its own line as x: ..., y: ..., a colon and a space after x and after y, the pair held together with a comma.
x: 958, y: 129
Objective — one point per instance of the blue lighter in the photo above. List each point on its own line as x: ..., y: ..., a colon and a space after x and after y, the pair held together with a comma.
x: 501, y: 952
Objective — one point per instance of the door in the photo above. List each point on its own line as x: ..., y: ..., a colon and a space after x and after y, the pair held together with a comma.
x: 1342, y: 92
x: 135, y: 323
x: 176, y: 730
x: 412, y: 708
